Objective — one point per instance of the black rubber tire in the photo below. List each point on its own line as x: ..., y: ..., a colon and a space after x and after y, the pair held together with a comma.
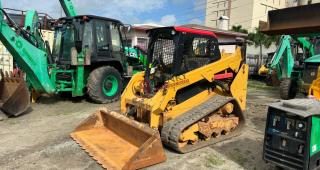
x: 288, y: 89
x: 269, y: 81
x: 95, y: 85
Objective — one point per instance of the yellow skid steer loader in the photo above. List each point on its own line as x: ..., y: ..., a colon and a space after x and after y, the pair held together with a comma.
x: 190, y: 96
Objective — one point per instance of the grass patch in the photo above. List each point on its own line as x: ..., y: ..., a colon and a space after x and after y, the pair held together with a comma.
x: 11, y: 121
x: 260, y: 85
x: 239, y: 157
x: 213, y: 160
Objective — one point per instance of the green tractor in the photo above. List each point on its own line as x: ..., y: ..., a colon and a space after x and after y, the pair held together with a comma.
x: 88, y: 56
x: 297, y: 58
x: 296, y: 63
x: 88, y: 52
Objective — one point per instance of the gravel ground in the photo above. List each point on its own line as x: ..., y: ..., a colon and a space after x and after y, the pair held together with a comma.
x: 40, y: 139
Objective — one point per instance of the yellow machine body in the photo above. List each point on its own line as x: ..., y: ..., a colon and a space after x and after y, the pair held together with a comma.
x: 315, y: 87
x: 161, y: 108
x: 263, y: 70
x: 132, y: 140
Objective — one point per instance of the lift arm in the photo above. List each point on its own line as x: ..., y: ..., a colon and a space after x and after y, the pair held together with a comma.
x: 283, y: 52
x: 283, y: 59
x: 306, y: 45
x: 33, y: 27
x: 31, y: 59
x: 68, y: 8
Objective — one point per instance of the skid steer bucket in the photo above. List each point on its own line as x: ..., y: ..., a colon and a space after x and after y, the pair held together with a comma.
x: 14, y: 94
x: 118, y: 142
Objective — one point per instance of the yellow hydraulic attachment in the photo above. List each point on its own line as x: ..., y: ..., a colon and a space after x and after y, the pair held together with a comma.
x: 315, y: 87
x: 191, y: 94
x: 263, y: 70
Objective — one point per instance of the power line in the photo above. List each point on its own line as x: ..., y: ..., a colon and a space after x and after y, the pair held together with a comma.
x: 249, y: 20
x: 191, y: 9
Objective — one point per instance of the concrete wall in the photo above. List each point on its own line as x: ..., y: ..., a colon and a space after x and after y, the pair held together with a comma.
x: 6, y: 59
x: 135, y: 34
x: 261, y: 9
x: 214, y: 10
x: 247, y: 13
x: 241, y: 13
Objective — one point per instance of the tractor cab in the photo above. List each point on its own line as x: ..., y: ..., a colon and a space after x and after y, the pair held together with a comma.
x: 176, y: 50
x: 99, y: 37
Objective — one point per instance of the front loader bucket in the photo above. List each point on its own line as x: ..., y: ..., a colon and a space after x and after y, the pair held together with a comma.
x: 118, y: 142
x: 14, y: 94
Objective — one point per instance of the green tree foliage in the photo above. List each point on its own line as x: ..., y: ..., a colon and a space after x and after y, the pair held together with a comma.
x: 238, y: 28
x: 257, y: 38
x: 260, y: 39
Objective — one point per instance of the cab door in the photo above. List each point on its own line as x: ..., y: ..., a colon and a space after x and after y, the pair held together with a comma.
x: 117, y: 49
x: 103, y: 45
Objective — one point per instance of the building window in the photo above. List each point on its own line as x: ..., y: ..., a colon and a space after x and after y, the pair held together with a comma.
x: 142, y: 43
x: 128, y: 42
x: 217, y: 14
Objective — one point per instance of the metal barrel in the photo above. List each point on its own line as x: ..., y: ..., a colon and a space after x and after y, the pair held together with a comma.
x: 14, y: 94
x: 117, y: 142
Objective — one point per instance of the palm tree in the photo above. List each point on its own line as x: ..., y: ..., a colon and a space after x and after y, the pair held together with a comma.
x: 238, y: 28
x: 260, y: 40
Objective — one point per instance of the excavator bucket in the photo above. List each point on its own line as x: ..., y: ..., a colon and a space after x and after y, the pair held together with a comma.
x: 118, y: 142
x: 14, y: 94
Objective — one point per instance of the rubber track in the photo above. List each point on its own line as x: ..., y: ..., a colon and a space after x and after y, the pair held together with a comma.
x: 171, y: 131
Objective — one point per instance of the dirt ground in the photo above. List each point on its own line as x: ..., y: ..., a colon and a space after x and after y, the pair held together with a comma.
x: 40, y: 139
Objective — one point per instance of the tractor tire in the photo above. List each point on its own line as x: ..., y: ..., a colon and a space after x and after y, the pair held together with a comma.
x: 104, y: 85
x: 288, y: 89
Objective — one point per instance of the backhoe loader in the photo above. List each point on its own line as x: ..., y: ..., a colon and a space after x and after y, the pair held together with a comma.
x: 88, y: 56
x: 292, y: 67
x: 14, y: 92
x: 190, y: 96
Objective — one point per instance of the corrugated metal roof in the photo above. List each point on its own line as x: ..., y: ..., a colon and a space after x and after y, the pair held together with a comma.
x: 216, y: 30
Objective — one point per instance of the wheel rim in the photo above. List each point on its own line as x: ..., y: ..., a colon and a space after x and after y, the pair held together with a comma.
x: 110, y: 86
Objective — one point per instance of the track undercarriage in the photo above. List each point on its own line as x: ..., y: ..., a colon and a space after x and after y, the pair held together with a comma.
x: 213, y: 121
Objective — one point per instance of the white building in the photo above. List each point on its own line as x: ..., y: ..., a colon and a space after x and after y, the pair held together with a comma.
x: 247, y: 13
x: 138, y: 36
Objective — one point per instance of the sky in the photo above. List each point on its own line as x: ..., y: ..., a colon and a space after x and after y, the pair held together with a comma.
x: 163, y: 12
